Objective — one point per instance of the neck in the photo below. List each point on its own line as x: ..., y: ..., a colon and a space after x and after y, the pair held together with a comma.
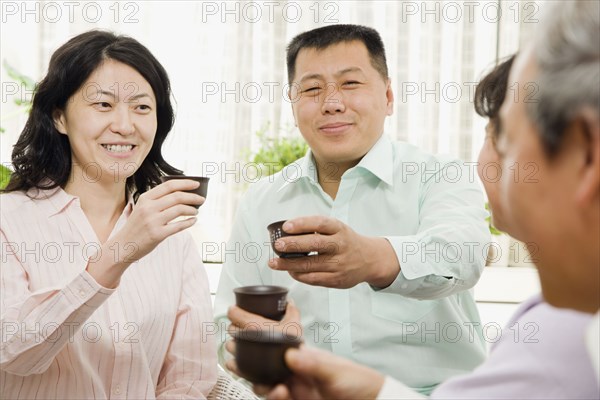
x: 587, y: 255
x: 330, y: 174
x: 103, y: 200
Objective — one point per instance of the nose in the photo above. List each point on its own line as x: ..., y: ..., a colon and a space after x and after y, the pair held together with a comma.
x: 122, y: 122
x: 333, y: 101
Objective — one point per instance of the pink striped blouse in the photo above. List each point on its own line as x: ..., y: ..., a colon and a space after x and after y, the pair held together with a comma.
x: 66, y: 337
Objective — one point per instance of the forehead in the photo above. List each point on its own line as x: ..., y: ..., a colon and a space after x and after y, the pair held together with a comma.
x: 112, y: 71
x: 337, y: 57
x: 117, y: 78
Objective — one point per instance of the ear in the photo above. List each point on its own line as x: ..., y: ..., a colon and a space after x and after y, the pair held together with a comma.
x: 588, y: 191
x: 59, y: 121
x: 389, y: 94
x: 291, y: 93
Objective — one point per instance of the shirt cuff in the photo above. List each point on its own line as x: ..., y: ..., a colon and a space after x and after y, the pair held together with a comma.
x: 401, y: 285
x: 409, y: 250
x: 85, y: 290
x: 394, y: 390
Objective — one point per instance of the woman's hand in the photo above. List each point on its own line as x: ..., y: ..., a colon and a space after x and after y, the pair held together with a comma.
x: 147, y: 226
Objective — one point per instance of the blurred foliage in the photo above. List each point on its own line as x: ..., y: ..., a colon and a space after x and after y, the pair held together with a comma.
x: 4, y: 176
x: 26, y: 85
x: 276, y: 153
x: 493, y: 229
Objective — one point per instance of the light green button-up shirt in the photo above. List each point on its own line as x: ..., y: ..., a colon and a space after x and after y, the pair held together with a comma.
x: 422, y: 329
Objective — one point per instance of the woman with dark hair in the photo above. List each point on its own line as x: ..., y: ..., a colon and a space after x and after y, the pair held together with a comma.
x: 102, y: 294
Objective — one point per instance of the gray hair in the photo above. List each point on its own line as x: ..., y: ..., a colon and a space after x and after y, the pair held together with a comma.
x: 567, y: 51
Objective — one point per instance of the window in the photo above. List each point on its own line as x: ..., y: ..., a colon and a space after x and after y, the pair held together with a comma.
x: 226, y: 61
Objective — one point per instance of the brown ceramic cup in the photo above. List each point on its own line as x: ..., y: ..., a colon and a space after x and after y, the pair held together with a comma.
x: 275, y: 232
x: 259, y: 355
x: 201, y: 190
x: 267, y: 301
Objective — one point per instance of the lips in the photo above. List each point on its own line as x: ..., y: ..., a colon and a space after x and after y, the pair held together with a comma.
x: 335, y: 127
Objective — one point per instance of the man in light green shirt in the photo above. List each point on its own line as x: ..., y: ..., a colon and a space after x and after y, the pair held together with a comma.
x: 400, y: 234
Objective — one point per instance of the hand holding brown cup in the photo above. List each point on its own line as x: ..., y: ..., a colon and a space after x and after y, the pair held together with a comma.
x: 267, y: 301
x: 260, y: 355
x: 276, y: 232
x: 201, y: 190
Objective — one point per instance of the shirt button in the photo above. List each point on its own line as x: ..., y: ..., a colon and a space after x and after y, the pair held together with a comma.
x: 404, y: 285
x: 117, y: 389
x: 81, y: 293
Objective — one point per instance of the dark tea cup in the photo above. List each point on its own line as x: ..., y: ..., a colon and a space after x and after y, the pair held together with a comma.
x: 267, y: 301
x: 201, y: 190
x: 275, y: 232
x: 259, y: 355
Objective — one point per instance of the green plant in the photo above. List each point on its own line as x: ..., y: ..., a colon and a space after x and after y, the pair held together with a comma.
x: 27, y: 85
x: 276, y: 153
x: 4, y: 176
x: 493, y: 230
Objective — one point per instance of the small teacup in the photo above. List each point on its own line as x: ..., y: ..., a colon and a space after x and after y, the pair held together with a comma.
x: 267, y: 301
x: 276, y: 232
x: 201, y: 190
x: 259, y: 355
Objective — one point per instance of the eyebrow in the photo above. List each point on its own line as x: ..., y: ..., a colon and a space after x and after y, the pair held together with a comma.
x: 337, y: 74
x: 130, y: 98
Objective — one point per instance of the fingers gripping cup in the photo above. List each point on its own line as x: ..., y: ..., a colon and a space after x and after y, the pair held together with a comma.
x: 267, y: 301
x: 275, y: 232
x: 201, y: 190
x: 259, y: 355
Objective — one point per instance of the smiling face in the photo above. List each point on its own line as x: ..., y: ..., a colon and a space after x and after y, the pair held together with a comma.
x: 110, y: 122
x: 339, y: 102
x: 543, y: 200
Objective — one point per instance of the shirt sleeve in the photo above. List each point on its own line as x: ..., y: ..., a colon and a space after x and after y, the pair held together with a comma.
x: 592, y: 339
x: 35, y: 326
x: 190, y: 366
x: 237, y: 271
x: 448, y: 252
x: 394, y: 390
x: 530, y: 361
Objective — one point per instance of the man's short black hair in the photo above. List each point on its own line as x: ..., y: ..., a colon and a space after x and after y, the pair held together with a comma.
x: 326, y: 36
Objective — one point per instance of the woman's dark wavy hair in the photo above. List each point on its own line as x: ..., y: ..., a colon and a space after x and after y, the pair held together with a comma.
x: 491, y: 92
x: 42, y: 156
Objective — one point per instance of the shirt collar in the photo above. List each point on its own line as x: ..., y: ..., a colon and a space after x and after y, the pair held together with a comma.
x: 59, y: 200
x: 301, y: 169
x: 379, y: 161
